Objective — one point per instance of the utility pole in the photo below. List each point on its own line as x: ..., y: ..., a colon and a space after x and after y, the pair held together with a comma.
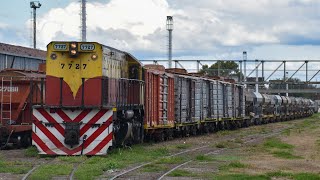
x: 83, y: 15
x: 170, y: 29
x: 34, y: 5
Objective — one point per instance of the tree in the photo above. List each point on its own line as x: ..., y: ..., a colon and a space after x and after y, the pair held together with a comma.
x: 221, y: 68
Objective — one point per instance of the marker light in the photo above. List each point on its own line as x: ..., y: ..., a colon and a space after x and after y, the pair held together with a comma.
x: 53, y: 56
x: 94, y: 56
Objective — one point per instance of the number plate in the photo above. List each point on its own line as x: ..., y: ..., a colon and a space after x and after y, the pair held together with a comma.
x: 60, y: 46
x: 87, y: 47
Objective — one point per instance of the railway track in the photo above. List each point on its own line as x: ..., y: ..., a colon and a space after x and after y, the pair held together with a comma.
x: 70, y: 177
x: 206, y: 150
x: 217, y: 152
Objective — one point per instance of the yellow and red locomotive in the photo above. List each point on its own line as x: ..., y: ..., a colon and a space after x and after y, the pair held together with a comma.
x: 94, y: 100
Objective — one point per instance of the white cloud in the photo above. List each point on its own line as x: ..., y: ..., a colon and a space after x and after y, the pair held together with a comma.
x: 3, y: 25
x: 202, y: 29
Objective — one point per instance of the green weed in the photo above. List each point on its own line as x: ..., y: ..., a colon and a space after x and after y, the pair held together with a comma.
x: 285, y: 155
x: 31, y: 151
x: 14, y: 167
x: 181, y: 173
x: 277, y: 143
x: 48, y: 171
x: 234, y: 164
x: 240, y: 177
x: 183, y: 146
x: 154, y: 168
x: 204, y: 158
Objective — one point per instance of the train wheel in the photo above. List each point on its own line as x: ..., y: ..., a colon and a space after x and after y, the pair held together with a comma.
x: 26, y: 140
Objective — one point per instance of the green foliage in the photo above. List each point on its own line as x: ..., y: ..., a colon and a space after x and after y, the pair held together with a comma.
x: 222, y: 68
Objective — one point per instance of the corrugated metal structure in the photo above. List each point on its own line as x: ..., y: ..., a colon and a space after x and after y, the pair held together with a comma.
x: 18, y: 57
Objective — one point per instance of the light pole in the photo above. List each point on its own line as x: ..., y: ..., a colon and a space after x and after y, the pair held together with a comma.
x: 287, y: 86
x: 34, y: 5
x: 170, y: 29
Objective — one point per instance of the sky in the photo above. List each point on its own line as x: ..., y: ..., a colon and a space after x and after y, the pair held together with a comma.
x: 203, y: 29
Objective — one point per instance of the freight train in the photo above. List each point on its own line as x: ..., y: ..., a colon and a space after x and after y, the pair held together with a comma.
x: 19, y: 90
x: 98, y: 97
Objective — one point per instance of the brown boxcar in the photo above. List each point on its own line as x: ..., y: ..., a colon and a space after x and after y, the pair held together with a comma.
x: 159, y: 100
x: 19, y: 90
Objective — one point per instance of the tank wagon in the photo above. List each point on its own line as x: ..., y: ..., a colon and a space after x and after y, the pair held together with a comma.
x: 98, y: 97
x: 19, y: 90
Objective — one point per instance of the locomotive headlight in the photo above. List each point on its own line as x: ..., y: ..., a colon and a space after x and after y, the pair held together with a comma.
x: 73, y: 52
x: 73, y: 49
x: 73, y: 45
x: 94, y: 56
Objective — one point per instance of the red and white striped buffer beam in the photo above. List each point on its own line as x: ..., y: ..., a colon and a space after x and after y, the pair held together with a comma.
x: 95, y: 131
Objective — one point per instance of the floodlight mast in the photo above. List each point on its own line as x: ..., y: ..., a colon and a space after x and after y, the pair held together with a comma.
x: 34, y: 5
x: 170, y: 29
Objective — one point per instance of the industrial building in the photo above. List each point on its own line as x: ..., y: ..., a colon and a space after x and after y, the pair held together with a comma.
x: 18, y: 57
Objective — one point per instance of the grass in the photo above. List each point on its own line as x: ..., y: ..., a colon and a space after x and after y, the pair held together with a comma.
x: 225, y: 144
x: 49, y: 171
x: 183, y: 146
x: 181, y: 173
x: 154, y: 168
x: 31, y: 151
x: 240, y: 177
x: 287, y: 132
x: 72, y: 159
x: 309, y: 176
x: 267, y: 176
x: 120, y: 158
x: 239, y: 141
x: 233, y: 165
x: 226, y: 158
x: 171, y: 160
x: 285, y: 155
x: 14, y: 167
x: 276, y: 143
x: 204, y: 158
